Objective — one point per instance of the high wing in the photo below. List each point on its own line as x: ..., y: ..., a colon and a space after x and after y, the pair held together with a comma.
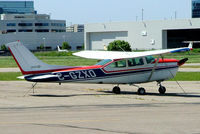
x: 125, y: 55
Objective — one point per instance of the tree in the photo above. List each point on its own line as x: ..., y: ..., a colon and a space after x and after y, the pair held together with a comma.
x: 119, y: 45
x: 66, y: 45
x: 42, y: 47
x: 4, y: 48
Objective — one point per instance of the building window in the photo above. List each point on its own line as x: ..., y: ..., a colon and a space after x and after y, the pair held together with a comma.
x: 11, y: 24
x: 25, y: 30
x: 58, y: 30
x: 25, y: 24
x: 80, y: 30
x: 58, y: 24
x: 11, y: 31
x: 41, y: 24
x: 41, y: 30
x: 54, y: 30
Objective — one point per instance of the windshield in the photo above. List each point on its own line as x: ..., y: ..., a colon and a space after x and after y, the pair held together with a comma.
x: 103, y: 62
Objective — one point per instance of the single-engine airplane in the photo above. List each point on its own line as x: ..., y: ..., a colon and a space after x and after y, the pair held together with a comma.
x: 115, y: 68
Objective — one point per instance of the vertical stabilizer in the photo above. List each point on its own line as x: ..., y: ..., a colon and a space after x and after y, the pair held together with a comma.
x: 26, y: 61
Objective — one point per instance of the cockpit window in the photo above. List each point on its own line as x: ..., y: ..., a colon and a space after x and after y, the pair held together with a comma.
x: 135, y: 62
x: 103, y: 62
x: 149, y: 59
x: 120, y: 63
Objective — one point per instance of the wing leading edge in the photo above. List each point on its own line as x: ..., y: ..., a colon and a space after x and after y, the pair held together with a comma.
x: 125, y: 55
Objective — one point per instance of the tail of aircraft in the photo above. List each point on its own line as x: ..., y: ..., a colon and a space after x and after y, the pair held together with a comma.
x: 58, y: 48
x: 27, y: 62
x: 61, y: 50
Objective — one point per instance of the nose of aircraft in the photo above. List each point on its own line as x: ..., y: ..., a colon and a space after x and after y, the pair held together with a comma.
x: 181, y: 62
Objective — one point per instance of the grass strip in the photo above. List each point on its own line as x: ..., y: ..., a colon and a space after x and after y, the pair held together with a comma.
x: 187, y: 76
x: 10, y: 76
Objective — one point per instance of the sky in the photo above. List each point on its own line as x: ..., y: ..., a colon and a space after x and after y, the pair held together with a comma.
x: 92, y: 11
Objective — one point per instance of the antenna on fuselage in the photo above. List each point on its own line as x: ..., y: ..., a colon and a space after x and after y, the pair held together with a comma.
x: 121, y: 48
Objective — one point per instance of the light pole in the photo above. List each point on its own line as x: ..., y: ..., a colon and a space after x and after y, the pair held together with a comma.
x: 142, y: 14
x: 63, y: 38
x: 44, y: 42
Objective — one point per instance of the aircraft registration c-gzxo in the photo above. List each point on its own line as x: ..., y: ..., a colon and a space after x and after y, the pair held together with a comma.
x: 114, y: 68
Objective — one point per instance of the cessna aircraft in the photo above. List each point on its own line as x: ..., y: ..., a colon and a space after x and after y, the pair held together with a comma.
x: 115, y: 68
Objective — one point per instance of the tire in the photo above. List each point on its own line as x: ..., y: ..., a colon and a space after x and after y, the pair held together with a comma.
x: 116, y: 90
x: 141, y: 91
x: 162, y: 90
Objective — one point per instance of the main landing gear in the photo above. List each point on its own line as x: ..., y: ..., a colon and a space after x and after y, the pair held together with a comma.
x: 161, y: 89
x: 141, y: 90
x: 116, y: 90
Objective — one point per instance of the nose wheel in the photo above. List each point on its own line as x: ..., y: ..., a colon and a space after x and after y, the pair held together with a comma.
x: 116, y: 90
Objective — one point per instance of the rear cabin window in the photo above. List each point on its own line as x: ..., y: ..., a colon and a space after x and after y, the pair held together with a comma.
x: 135, y: 62
x: 121, y: 63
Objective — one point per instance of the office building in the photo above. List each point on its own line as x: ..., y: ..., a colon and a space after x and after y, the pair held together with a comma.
x: 14, y: 23
x: 19, y: 21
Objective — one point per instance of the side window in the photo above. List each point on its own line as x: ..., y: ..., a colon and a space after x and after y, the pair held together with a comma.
x: 150, y: 59
x: 131, y: 62
x: 121, y: 63
x: 135, y: 62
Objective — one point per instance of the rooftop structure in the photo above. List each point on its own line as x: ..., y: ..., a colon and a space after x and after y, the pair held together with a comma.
x: 17, y: 7
x: 75, y: 28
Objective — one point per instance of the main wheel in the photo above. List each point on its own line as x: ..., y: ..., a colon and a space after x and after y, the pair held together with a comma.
x: 141, y: 91
x: 162, y: 90
x: 116, y: 90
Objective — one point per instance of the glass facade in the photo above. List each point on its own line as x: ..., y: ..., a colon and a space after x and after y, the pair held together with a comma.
x: 58, y: 24
x: 17, y: 7
x: 25, y: 24
x: 11, y: 24
x: 195, y: 8
x: 41, y: 24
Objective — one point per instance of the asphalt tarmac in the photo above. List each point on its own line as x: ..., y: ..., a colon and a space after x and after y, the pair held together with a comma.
x: 90, y: 108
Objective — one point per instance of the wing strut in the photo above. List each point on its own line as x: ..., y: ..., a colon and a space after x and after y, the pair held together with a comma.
x: 153, y: 70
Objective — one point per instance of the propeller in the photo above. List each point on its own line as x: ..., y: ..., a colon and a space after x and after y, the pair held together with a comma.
x: 181, y: 62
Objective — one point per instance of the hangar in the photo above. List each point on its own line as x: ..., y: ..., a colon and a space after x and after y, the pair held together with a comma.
x: 159, y: 34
